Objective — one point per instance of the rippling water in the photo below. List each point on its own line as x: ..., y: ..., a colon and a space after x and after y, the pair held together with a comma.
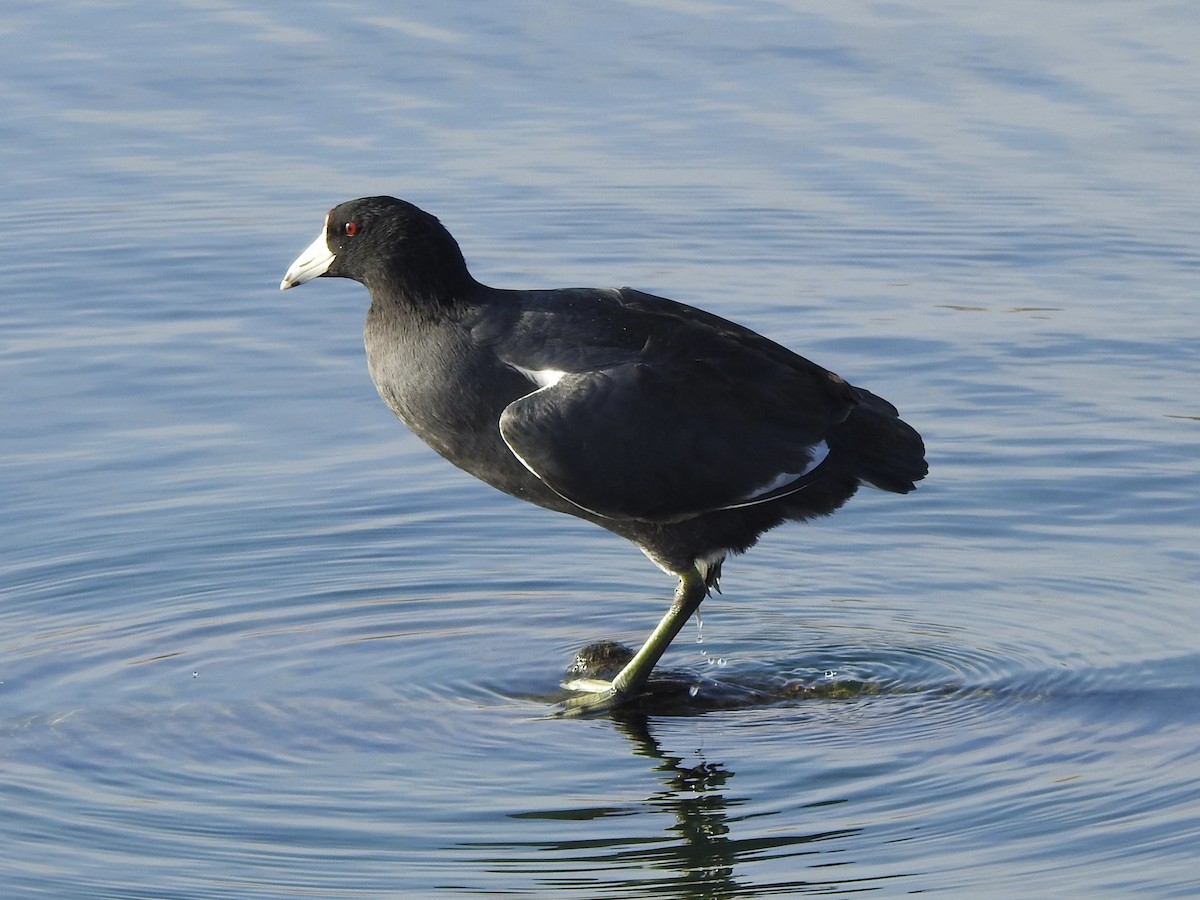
x: 256, y: 641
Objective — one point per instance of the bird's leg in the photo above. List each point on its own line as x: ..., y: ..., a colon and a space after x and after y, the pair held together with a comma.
x: 689, y: 593
x: 598, y: 695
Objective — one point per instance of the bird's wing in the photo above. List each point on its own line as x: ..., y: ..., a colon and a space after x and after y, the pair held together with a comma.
x: 664, y: 442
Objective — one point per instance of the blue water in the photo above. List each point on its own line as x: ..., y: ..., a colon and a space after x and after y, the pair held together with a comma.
x: 257, y: 641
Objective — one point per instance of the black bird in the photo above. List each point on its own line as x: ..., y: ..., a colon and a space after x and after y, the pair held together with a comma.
x: 682, y: 432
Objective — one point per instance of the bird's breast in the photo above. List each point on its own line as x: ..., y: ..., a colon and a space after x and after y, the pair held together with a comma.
x: 450, y: 393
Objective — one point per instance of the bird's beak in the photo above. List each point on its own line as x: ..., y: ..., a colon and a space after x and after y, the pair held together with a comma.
x: 314, y: 261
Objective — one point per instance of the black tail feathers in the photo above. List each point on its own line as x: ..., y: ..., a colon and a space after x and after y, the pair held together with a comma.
x: 887, y: 451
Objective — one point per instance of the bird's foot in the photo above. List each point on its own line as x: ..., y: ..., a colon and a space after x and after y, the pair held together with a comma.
x: 590, y: 676
x: 590, y: 697
x: 588, y: 685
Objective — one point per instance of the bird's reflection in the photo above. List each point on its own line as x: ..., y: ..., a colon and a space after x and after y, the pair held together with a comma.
x: 713, y: 844
x: 704, y: 856
x: 705, y: 852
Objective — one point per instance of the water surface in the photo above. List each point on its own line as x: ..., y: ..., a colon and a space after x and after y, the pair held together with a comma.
x: 256, y: 641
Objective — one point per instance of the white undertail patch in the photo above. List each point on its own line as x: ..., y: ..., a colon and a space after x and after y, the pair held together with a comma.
x: 818, y: 453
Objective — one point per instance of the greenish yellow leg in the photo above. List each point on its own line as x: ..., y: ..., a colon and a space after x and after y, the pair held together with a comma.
x: 598, y: 695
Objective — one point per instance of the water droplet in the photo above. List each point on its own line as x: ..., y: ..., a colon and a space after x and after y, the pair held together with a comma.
x: 195, y: 674
x: 831, y: 673
x: 693, y: 690
x: 721, y: 661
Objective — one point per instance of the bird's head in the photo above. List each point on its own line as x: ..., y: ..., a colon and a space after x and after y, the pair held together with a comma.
x: 389, y: 245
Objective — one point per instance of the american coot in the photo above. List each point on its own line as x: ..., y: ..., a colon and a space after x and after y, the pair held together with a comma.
x: 678, y: 430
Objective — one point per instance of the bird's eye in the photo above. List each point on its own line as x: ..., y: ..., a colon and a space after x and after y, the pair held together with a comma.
x: 350, y: 228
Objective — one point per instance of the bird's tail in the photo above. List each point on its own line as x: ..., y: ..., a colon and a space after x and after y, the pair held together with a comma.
x: 887, y: 450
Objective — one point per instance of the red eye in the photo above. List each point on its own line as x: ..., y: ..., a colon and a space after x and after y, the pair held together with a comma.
x: 351, y: 229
